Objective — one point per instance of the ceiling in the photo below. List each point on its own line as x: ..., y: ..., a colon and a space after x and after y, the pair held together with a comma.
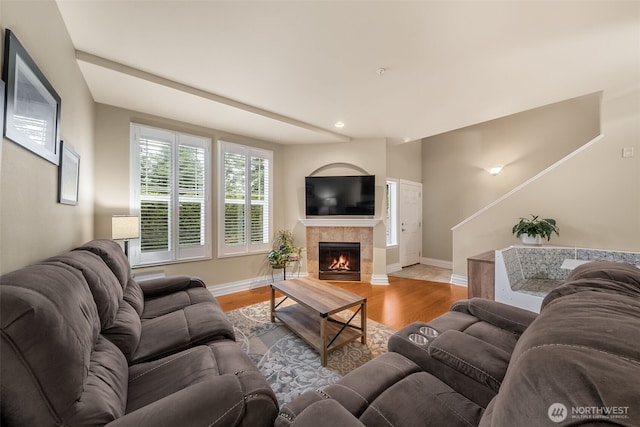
x: 287, y: 71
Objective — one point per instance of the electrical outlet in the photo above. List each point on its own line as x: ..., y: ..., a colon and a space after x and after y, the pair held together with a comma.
x: 627, y: 152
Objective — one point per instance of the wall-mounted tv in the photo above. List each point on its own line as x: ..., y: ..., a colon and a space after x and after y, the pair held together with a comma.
x: 340, y: 195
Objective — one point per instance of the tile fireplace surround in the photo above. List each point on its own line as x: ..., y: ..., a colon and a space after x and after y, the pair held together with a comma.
x: 364, y: 235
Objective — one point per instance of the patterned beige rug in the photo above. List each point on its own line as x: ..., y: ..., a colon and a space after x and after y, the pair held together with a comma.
x: 289, y: 364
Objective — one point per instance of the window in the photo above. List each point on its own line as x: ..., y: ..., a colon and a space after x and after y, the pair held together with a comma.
x: 391, y: 219
x: 245, y: 215
x: 170, y: 180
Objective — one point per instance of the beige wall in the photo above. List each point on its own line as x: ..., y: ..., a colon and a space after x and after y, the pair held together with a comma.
x: 112, y: 191
x: 291, y: 165
x: 454, y: 169
x: 404, y: 161
x: 335, y: 159
x: 32, y: 224
x: 594, y: 195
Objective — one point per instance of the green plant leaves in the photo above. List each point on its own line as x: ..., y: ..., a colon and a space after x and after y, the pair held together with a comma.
x: 535, y: 226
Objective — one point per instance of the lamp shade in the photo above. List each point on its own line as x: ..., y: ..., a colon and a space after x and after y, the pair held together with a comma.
x: 124, y: 227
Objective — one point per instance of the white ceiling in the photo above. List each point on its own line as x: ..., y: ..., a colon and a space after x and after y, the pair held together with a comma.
x: 287, y: 71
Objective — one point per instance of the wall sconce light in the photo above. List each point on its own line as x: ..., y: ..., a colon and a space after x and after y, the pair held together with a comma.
x: 495, y: 170
x: 125, y: 227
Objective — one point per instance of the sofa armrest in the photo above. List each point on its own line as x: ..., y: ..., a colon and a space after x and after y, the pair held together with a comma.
x: 471, y: 356
x: 322, y: 413
x: 504, y: 316
x: 461, y: 306
x: 167, y: 285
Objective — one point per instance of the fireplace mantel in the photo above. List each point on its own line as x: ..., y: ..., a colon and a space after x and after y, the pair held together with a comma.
x: 340, y: 222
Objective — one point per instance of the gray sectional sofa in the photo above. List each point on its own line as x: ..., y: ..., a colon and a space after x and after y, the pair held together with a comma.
x: 84, y: 344
x: 576, y: 363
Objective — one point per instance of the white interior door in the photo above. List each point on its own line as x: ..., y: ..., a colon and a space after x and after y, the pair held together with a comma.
x: 410, y: 222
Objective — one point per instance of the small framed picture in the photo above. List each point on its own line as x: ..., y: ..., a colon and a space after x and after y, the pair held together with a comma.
x: 68, y: 175
x: 33, y: 107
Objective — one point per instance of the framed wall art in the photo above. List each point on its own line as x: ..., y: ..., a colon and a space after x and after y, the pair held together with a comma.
x: 68, y: 175
x: 32, y: 117
x: 1, y: 107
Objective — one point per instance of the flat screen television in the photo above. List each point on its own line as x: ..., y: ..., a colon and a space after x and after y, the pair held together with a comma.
x: 340, y: 195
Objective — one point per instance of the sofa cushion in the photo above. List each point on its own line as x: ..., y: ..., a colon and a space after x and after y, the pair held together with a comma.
x: 135, y: 297
x: 502, y: 316
x: 104, y: 285
x: 126, y: 330
x: 104, y: 395
x: 619, y: 272
x: 193, y: 325
x: 472, y: 357
x: 497, y: 337
x: 120, y: 321
x: 599, y: 276
x: 112, y: 255
x: 322, y: 413
x: 221, y: 371
x: 455, y: 320
x: 438, y: 404
x: 157, y: 306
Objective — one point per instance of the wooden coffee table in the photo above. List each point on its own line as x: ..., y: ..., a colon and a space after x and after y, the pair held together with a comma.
x: 311, y: 318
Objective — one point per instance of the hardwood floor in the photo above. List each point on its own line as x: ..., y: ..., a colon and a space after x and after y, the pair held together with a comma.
x: 402, y: 302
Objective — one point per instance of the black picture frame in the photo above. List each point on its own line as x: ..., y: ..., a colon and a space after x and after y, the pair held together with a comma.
x: 68, y: 175
x: 2, y: 107
x: 32, y: 107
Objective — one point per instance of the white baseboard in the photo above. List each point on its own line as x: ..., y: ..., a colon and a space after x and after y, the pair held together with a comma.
x: 379, y: 279
x: 242, y: 285
x: 258, y: 282
x: 392, y: 268
x: 437, y: 263
x: 459, y: 280
x: 245, y: 285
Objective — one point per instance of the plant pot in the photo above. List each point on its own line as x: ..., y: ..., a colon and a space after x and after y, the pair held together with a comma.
x: 531, y: 240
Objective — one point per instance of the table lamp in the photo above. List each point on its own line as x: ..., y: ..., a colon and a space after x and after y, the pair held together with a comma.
x: 125, y: 227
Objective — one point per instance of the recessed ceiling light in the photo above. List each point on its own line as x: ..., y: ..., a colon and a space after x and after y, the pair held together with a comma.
x: 339, y: 124
x: 495, y: 170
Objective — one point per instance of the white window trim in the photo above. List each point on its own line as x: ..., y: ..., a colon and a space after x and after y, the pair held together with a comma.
x: 392, y: 226
x: 248, y: 248
x: 176, y: 253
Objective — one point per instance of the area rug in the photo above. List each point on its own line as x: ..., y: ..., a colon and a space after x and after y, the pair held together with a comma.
x: 289, y: 364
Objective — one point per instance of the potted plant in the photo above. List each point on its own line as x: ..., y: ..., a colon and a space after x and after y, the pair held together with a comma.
x: 283, y: 250
x: 531, y: 231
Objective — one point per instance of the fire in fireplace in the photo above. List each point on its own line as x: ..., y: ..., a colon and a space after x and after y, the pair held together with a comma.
x: 339, y: 261
x: 342, y: 263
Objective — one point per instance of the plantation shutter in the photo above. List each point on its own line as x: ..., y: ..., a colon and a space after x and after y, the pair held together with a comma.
x: 155, y: 195
x: 234, y: 199
x: 193, y: 184
x: 246, y: 184
x: 171, y: 195
x: 259, y: 200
